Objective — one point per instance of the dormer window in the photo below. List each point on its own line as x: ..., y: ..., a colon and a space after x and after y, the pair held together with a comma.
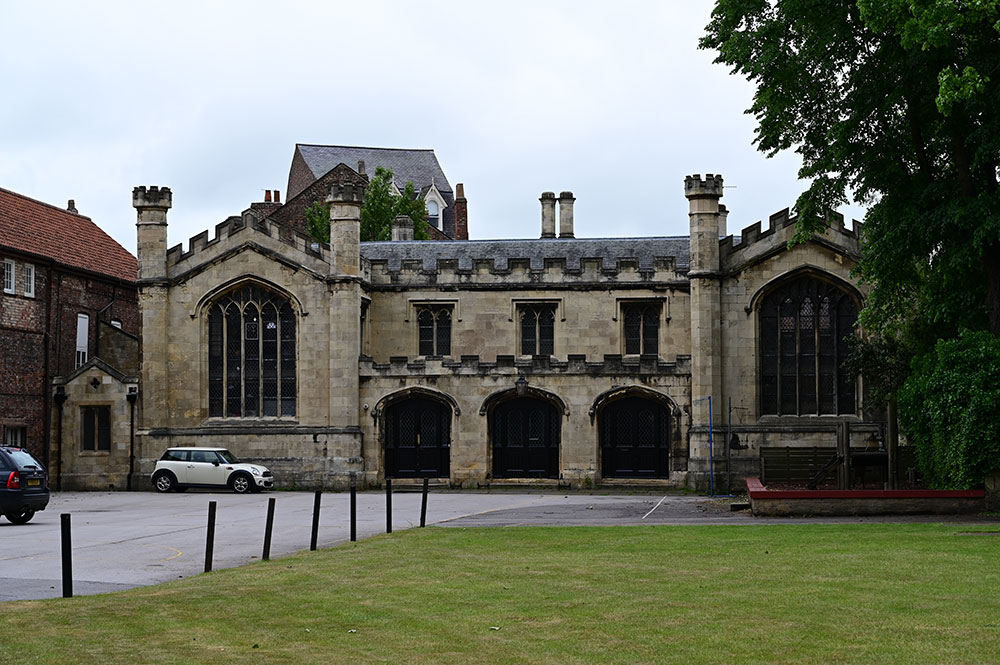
x: 433, y: 214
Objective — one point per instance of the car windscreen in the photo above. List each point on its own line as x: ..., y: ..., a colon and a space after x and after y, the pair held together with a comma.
x: 228, y: 457
x: 23, y: 459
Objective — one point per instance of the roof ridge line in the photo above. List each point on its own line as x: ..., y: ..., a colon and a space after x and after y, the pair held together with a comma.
x: 362, y: 147
x: 47, y: 205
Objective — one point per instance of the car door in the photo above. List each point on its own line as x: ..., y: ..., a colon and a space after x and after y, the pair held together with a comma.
x: 205, y: 469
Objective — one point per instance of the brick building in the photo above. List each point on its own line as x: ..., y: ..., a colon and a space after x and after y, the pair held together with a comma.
x: 68, y: 307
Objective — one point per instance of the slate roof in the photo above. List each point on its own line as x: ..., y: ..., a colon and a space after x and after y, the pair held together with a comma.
x: 420, y: 166
x: 33, y: 227
x: 645, y: 250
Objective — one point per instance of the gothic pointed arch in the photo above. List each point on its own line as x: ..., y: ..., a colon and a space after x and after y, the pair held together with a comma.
x: 414, y: 391
x: 804, y: 321
x: 248, y: 279
x: 523, y: 391
x: 620, y: 392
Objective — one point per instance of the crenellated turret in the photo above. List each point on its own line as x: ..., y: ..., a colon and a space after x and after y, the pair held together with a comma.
x: 151, y: 227
x: 345, y: 201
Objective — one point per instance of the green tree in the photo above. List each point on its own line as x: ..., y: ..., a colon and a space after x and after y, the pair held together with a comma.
x: 318, y: 221
x: 382, y: 206
x: 895, y: 103
x: 949, y: 406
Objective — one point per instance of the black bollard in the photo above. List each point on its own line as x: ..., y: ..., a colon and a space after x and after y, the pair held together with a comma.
x: 315, y: 529
x: 210, y: 536
x: 388, y: 505
x: 354, y: 509
x: 67, y: 556
x: 423, y: 506
x: 267, y: 530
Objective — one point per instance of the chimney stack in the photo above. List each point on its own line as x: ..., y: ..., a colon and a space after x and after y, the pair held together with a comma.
x: 71, y: 206
x: 548, y: 200
x: 402, y: 228
x: 566, y: 214
x: 461, y: 213
x: 267, y: 196
x: 361, y: 167
x: 277, y: 196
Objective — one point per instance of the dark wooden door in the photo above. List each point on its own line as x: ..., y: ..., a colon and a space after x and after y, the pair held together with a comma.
x: 635, y: 439
x: 417, y: 439
x: 525, y: 439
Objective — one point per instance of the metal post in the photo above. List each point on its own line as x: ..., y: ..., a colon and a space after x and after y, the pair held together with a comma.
x: 67, y: 556
x: 267, y: 530
x: 315, y: 529
x: 354, y: 508
x: 210, y: 537
x: 711, y: 451
x: 423, y: 506
x: 388, y: 505
x: 729, y: 450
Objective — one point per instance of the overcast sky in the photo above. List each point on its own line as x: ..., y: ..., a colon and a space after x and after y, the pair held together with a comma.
x: 611, y: 101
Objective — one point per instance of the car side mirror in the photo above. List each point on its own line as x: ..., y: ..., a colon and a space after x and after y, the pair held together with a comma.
x: 215, y: 463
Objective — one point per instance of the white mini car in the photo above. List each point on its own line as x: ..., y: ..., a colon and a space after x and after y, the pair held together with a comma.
x: 181, y: 468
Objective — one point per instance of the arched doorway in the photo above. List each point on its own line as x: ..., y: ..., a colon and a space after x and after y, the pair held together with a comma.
x: 417, y: 438
x: 525, y: 438
x: 635, y: 439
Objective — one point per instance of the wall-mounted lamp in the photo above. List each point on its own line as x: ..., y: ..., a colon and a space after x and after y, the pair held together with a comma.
x: 521, y: 386
x: 60, y: 397
x: 132, y: 395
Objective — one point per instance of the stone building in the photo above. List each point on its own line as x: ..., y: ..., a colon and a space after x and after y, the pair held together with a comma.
x: 69, y: 324
x: 558, y: 360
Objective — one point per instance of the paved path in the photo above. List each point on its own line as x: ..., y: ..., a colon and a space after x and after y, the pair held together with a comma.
x: 123, y: 540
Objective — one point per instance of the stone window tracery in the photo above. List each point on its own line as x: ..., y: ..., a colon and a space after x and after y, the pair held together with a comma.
x: 803, y: 329
x: 641, y: 327
x: 251, y: 355
x: 434, y: 330
x: 537, y: 328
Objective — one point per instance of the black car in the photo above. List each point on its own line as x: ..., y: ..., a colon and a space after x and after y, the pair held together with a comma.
x: 24, y: 485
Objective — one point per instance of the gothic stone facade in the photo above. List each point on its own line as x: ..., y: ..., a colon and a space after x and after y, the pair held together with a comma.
x: 557, y: 361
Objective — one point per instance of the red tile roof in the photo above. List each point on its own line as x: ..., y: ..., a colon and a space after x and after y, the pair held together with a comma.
x: 27, y: 225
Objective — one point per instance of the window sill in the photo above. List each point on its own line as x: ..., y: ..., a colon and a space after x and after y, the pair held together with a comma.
x: 94, y: 453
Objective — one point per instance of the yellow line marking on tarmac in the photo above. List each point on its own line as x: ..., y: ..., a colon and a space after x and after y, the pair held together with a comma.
x: 179, y: 553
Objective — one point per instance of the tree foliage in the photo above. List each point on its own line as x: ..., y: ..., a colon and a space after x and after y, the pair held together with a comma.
x: 318, y: 221
x: 949, y: 408
x: 895, y: 101
x: 382, y: 206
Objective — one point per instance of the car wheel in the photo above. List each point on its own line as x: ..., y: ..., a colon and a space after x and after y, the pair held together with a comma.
x: 22, y: 517
x: 241, y: 483
x: 165, y: 482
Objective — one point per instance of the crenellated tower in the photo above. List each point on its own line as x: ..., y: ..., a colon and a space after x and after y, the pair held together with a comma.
x: 151, y: 206
x: 706, y: 359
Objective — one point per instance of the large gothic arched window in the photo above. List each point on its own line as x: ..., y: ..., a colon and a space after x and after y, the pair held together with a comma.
x: 803, y: 328
x: 251, y: 355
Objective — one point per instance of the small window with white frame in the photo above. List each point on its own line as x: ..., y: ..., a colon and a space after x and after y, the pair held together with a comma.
x: 29, y: 280
x: 15, y: 437
x: 8, y: 276
x: 82, y: 339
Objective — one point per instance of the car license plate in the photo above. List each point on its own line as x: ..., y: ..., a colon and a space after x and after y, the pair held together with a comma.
x: 34, y: 482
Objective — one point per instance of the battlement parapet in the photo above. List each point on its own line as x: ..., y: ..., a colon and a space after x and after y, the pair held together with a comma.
x: 709, y: 187
x: 781, y: 228
x: 157, y: 198
x: 345, y: 191
x: 506, y: 365
x: 250, y: 223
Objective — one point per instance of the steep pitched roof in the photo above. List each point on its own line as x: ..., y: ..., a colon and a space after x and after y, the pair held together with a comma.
x: 33, y: 227
x: 419, y: 166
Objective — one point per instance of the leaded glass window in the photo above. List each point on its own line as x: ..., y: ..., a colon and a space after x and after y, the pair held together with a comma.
x: 804, y: 325
x: 537, y: 328
x: 251, y: 355
x: 434, y: 330
x: 641, y: 328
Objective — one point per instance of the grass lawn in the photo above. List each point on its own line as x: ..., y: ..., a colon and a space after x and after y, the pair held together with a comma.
x: 692, y: 594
